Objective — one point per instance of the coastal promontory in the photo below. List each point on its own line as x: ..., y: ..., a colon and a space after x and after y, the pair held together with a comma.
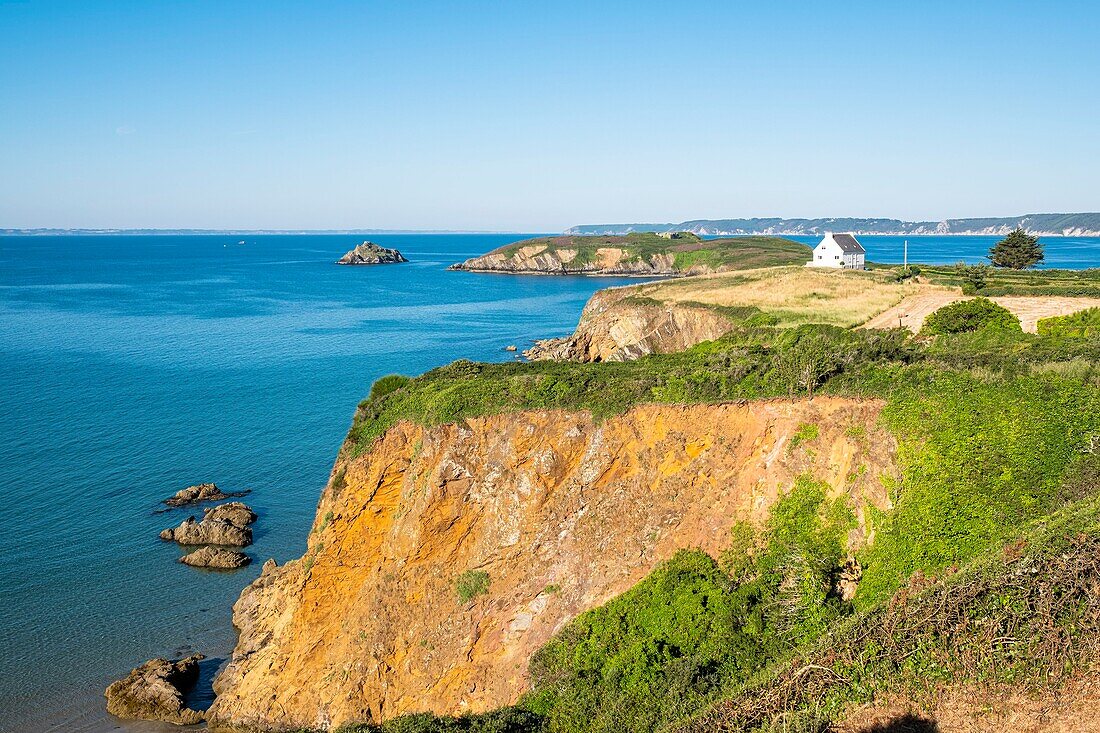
x: 369, y: 253
x: 637, y: 254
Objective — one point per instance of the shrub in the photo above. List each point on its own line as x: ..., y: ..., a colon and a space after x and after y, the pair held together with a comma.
x: 1082, y: 324
x: 387, y: 384
x: 966, y: 316
x: 472, y: 583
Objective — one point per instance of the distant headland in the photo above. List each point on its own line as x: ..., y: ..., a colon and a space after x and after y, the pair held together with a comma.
x: 1050, y: 225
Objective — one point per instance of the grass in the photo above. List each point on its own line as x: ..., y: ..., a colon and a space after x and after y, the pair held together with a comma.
x: 1069, y: 283
x: 471, y: 584
x: 729, y: 253
x: 791, y: 295
x: 1082, y: 324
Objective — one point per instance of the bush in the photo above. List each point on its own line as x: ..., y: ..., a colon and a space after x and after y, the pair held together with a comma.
x: 967, y: 316
x: 471, y: 584
x: 387, y: 384
x: 1082, y: 324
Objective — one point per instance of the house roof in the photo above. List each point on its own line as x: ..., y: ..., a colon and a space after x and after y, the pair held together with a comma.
x: 848, y: 243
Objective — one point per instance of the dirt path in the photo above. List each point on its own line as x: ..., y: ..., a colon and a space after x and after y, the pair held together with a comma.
x: 912, y: 311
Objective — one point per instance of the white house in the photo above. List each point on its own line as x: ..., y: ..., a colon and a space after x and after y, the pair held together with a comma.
x: 838, y: 250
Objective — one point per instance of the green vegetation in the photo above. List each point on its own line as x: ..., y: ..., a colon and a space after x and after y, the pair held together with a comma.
x: 994, y: 532
x: 471, y: 584
x: 966, y: 316
x: 992, y: 282
x: 387, y: 384
x: 1018, y: 251
x: 730, y: 253
x: 1082, y: 324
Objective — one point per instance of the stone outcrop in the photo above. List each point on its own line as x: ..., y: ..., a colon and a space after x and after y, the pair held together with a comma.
x: 369, y: 253
x: 541, y: 260
x: 235, y: 512
x: 200, y: 493
x: 208, y: 532
x: 216, y: 557
x: 155, y: 690
x: 560, y: 511
x: 615, y: 326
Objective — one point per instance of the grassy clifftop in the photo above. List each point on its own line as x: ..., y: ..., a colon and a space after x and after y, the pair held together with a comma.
x: 991, y: 537
x: 639, y: 253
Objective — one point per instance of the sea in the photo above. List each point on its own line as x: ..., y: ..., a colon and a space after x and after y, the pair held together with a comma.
x: 134, y: 366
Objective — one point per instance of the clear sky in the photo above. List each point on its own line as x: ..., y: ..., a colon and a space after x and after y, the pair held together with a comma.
x: 535, y: 116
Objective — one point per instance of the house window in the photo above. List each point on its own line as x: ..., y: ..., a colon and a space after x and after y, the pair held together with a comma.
x: 838, y: 257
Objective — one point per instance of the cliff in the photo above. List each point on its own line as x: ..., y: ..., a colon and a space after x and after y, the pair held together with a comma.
x: 1067, y: 225
x: 536, y: 516
x: 637, y: 254
x: 616, y: 325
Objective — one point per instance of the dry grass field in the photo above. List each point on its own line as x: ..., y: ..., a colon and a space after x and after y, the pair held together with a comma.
x: 796, y: 295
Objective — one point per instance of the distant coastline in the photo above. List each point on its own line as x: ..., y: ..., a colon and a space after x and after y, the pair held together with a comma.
x: 1047, y: 225
x: 235, y: 232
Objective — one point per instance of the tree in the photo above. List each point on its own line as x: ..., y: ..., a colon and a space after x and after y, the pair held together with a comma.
x: 1018, y: 251
x: 974, y: 275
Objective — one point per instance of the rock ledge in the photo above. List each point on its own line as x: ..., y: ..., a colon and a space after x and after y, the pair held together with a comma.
x: 154, y: 691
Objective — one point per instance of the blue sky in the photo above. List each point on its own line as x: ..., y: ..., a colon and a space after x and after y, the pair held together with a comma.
x: 536, y: 116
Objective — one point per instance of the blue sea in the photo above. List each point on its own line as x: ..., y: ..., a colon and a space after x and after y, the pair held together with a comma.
x: 133, y: 366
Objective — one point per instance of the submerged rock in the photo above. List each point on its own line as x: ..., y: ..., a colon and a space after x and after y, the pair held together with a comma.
x: 216, y: 557
x: 208, y: 532
x: 154, y: 691
x: 235, y: 512
x: 200, y: 493
x: 369, y: 253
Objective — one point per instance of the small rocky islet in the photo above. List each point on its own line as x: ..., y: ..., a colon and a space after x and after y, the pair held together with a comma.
x: 225, y: 525
x: 200, y: 493
x: 217, y: 558
x: 155, y: 690
x: 369, y: 253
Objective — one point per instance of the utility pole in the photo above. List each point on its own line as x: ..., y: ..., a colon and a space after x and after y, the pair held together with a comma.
x: 905, y: 256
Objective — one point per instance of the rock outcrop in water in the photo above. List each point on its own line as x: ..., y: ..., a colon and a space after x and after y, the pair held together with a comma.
x: 208, y: 532
x: 200, y: 493
x: 216, y: 557
x: 235, y: 512
x: 561, y: 512
x: 369, y: 253
x: 155, y: 690
x: 615, y: 326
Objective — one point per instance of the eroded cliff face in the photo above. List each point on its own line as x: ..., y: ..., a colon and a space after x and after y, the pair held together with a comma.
x: 542, y: 260
x: 561, y: 512
x: 617, y: 327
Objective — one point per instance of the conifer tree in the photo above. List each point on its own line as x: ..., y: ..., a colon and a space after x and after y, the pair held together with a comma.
x: 1018, y: 251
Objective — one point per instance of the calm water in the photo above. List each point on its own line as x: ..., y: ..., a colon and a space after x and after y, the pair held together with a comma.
x: 135, y: 366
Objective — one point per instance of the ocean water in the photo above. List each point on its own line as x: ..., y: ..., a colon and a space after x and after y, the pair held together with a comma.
x: 1071, y: 253
x: 134, y: 366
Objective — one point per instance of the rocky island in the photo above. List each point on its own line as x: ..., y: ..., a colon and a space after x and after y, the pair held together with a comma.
x: 637, y: 254
x: 369, y: 253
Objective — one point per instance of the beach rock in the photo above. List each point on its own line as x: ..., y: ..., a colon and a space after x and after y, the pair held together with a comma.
x: 216, y: 557
x: 154, y: 691
x: 369, y: 253
x: 200, y: 493
x: 208, y: 532
x: 510, y: 347
x: 235, y: 512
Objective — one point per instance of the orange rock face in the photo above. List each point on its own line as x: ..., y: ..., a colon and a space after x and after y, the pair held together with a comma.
x: 561, y: 512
